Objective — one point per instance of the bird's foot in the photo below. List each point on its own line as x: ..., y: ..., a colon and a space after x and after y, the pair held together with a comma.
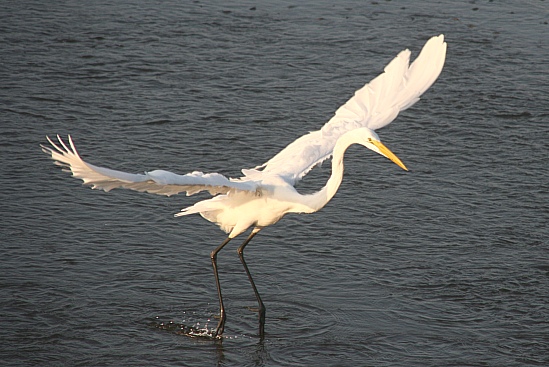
x: 218, y: 332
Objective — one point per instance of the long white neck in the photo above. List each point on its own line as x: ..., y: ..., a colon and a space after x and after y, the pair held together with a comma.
x: 320, y: 198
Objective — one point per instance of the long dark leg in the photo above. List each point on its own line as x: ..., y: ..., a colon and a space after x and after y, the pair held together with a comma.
x: 222, y: 316
x: 261, y: 309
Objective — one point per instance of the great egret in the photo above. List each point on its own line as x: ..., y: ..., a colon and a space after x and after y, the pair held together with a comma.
x: 264, y: 194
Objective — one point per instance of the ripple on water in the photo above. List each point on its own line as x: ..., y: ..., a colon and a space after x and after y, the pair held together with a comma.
x: 300, y: 318
x: 285, y: 316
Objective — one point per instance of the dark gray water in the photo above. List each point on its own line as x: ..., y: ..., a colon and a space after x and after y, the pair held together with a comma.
x: 447, y: 265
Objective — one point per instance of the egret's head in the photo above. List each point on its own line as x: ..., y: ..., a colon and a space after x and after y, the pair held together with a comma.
x: 370, y: 140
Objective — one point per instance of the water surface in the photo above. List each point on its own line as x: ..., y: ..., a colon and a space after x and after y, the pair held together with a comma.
x: 447, y: 265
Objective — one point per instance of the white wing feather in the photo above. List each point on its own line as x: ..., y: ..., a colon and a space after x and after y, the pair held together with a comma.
x: 156, y: 182
x: 374, y: 106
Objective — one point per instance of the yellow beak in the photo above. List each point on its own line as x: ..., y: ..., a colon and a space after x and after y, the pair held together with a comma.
x: 387, y: 153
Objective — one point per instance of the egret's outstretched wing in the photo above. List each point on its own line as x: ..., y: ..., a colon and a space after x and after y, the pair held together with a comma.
x: 156, y: 182
x: 373, y: 106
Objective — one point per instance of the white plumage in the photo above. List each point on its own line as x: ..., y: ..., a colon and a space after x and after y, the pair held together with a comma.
x: 264, y: 194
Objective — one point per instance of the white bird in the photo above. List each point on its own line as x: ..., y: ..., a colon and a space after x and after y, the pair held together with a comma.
x: 264, y: 194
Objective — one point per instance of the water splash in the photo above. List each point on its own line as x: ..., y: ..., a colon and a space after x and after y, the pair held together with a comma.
x: 195, y: 330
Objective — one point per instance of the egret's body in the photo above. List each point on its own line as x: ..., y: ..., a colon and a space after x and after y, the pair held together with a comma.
x: 266, y: 193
